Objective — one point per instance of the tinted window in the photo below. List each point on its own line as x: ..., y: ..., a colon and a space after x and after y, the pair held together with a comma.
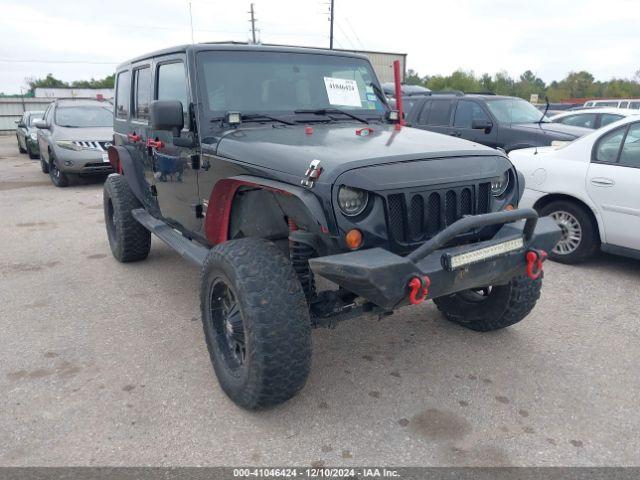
x: 607, y: 118
x: 142, y: 93
x: 587, y: 120
x: 630, y: 155
x: 172, y: 84
x: 467, y: 112
x: 85, y: 116
x: 123, y: 94
x: 634, y: 105
x: 609, y: 146
x: 424, y: 114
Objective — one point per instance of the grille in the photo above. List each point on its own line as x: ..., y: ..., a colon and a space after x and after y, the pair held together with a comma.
x: 92, y: 145
x: 418, y: 216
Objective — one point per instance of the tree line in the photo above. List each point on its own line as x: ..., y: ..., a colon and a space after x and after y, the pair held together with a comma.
x: 575, y: 85
x: 52, y: 82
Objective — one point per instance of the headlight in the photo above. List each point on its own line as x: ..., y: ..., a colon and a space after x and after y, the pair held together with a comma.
x: 352, y: 201
x: 499, y: 184
x: 33, y: 136
x: 69, y: 145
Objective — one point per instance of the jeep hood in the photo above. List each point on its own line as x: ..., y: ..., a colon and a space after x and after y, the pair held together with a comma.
x: 555, y: 130
x: 289, y: 150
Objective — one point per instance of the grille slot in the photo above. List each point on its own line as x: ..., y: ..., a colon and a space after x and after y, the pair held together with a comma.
x: 418, y: 216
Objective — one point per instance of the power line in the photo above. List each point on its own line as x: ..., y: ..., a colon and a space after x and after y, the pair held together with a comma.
x: 354, y: 33
x: 346, y: 36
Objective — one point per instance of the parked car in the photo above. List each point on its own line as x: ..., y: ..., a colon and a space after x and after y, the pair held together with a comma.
x: 73, y: 138
x: 26, y: 133
x: 508, y: 123
x: 633, y: 103
x: 292, y: 166
x: 389, y: 89
x: 591, y: 188
x: 593, y: 118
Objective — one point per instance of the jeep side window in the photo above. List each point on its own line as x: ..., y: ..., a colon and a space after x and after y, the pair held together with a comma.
x: 122, y: 94
x: 172, y: 85
x: 466, y: 112
x: 142, y: 93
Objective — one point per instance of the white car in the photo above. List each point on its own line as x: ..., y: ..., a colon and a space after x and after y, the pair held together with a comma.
x: 591, y: 188
x: 593, y: 117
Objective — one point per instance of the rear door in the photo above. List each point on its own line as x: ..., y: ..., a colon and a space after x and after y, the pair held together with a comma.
x: 175, y: 179
x: 436, y: 115
x: 466, y: 112
x: 612, y: 183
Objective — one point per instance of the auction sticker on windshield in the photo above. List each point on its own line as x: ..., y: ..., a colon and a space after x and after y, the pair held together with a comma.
x: 342, y: 91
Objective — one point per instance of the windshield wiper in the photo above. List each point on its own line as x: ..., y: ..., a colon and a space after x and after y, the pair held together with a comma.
x: 329, y: 111
x: 379, y: 93
x: 256, y: 117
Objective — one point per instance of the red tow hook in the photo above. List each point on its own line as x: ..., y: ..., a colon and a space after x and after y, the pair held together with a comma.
x: 419, y: 289
x: 534, y: 263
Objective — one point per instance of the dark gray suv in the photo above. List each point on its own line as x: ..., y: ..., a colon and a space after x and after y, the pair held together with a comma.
x: 502, y: 122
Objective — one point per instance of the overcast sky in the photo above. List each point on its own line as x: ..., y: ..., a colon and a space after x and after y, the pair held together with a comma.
x: 83, y: 39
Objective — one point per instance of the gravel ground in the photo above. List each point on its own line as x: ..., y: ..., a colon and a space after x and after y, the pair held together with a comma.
x: 105, y: 364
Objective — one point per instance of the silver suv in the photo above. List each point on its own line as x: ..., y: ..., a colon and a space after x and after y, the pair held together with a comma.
x: 73, y: 138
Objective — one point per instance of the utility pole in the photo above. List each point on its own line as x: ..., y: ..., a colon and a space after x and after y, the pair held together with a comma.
x: 253, y: 25
x: 191, y: 23
x: 331, y: 27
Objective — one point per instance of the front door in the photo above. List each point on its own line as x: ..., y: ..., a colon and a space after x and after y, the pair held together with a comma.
x: 466, y: 112
x: 612, y: 182
x: 175, y: 179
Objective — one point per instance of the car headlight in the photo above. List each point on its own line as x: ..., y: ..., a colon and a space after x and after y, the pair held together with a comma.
x: 499, y: 184
x: 33, y: 136
x: 352, y: 201
x: 68, y: 145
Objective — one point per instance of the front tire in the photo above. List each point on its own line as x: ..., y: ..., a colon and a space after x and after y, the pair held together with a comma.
x: 44, y: 166
x: 128, y: 239
x: 58, y: 178
x: 31, y: 153
x: 256, y: 322
x: 492, y: 308
x: 580, y: 239
x: 20, y: 149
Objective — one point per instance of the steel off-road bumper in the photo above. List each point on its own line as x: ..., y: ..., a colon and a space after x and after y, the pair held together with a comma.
x: 389, y: 280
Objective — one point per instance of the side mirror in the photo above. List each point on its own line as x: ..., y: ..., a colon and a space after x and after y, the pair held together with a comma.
x: 485, y: 125
x: 166, y: 115
x: 41, y: 124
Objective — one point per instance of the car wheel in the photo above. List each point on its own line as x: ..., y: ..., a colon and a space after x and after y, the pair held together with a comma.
x: 58, y: 178
x: 44, y: 166
x: 31, y: 153
x: 492, y: 308
x: 128, y: 239
x: 20, y: 149
x: 256, y: 322
x: 580, y: 239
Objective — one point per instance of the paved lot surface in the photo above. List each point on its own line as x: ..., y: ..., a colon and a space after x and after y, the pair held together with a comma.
x: 105, y: 364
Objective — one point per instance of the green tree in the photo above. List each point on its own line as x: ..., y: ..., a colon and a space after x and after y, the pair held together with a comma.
x: 47, y: 82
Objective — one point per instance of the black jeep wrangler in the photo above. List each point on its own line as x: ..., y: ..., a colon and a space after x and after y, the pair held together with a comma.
x: 270, y: 167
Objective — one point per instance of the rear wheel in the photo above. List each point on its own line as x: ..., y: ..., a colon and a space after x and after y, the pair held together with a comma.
x: 128, y: 239
x: 58, y: 178
x: 492, y: 308
x: 32, y: 155
x: 256, y: 322
x: 579, y: 238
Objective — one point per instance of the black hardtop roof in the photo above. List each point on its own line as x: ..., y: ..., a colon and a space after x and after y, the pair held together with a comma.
x: 481, y: 96
x: 237, y: 46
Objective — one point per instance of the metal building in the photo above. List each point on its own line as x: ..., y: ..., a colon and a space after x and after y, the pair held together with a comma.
x: 383, y: 63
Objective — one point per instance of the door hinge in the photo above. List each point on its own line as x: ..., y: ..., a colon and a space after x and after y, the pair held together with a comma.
x: 195, y: 161
x: 154, y: 190
x: 199, y: 211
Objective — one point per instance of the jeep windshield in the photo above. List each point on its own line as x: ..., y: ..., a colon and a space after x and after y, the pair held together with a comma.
x: 293, y: 85
x: 515, y: 110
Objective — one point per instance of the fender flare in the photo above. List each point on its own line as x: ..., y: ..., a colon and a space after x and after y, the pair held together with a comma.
x: 121, y: 161
x: 218, y: 214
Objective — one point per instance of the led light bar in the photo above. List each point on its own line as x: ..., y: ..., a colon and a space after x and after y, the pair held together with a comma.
x: 481, y: 254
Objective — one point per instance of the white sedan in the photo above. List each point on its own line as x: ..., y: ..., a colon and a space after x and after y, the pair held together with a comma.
x: 593, y: 117
x: 591, y: 187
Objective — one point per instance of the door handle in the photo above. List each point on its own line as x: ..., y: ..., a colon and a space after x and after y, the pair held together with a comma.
x: 602, y: 182
x: 133, y: 137
x: 455, y: 134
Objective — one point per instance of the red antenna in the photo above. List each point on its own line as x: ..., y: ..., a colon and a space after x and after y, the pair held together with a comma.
x: 396, y: 77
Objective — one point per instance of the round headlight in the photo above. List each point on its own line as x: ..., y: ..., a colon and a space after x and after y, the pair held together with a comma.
x: 499, y: 184
x: 352, y: 201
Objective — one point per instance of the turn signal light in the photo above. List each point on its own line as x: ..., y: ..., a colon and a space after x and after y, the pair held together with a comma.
x: 353, y: 239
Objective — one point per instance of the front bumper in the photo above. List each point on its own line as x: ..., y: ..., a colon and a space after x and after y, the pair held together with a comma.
x: 382, y: 277
x: 82, y: 161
